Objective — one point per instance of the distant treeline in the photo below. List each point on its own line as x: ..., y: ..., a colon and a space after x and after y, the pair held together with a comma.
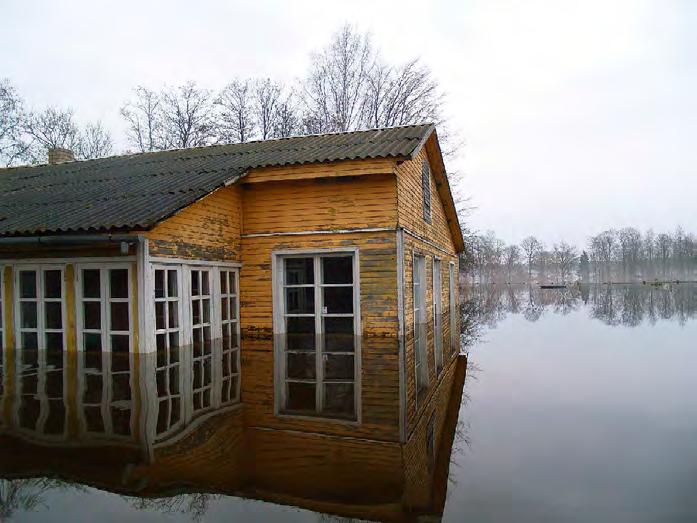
x: 615, y: 255
x: 628, y: 305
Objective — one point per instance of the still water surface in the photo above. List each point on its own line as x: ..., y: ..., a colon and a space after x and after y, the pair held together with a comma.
x: 578, y: 405
x: 582, y: 406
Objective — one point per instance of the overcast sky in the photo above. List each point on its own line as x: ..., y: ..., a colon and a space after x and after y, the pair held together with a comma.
x: 577, y: 115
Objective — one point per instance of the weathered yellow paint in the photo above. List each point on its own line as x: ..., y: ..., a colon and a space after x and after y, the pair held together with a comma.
x: 71, y: 393
x: 327, y: 204
x: 71, y: 327
x: 208, y: 229
x: 320, y: 170
x: 410, y: 204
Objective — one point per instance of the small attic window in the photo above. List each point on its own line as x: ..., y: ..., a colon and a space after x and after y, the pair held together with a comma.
x: 426, y: 189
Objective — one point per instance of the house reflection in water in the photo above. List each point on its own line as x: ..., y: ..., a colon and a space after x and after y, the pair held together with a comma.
x: 148, y: 425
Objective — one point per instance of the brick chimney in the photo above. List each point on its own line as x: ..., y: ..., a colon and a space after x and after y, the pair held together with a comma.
x: 60, y: 155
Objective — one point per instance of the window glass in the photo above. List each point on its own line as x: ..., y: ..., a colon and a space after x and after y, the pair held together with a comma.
x: 319, y: 343
x: 299, y: 271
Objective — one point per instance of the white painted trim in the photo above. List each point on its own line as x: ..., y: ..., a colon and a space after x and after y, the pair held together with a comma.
x: 437, y: 304
x: 163, y: 260
x: 417, y: 344
x: 401, y: 344
x: 40, y: 303
x: 303, y: 233
x: 429, y: 242
x: 279, y: 328
x: 144, y: 279
x: 104, y: 300
x: 66, y: 261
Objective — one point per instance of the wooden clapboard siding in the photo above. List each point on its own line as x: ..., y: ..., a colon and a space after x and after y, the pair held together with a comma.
x: 212, y: 456
x: 378, y: 278
x: 414, y: 408
x: 321, y: 204
x: 410, y: 204
x: 208, y: 229
x: 443, y: 406
x: 321, y: 170
x: 329, y: 468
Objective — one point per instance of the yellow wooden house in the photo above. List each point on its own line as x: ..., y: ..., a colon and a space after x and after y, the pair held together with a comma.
x: 313, y: 277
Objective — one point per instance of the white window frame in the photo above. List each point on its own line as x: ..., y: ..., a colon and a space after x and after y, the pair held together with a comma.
x: 420, y: 342
x: 40, y: 301
x: 233, y: 322
x: 198, y: 363
x: 437, y: 295
x: 105, y: 300
x: 279, y: 314
x: 152, y: 300
x: 184, y: 270
x: 41, y: 395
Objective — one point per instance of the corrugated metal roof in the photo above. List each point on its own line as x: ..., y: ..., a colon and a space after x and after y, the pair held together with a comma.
x: 137, y: 191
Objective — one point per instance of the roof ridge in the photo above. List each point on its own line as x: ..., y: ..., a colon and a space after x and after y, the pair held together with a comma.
x: 218, y: 145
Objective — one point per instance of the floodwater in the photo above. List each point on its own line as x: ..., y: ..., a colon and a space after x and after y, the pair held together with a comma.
x: 581, y: 405
x: 578, y: 405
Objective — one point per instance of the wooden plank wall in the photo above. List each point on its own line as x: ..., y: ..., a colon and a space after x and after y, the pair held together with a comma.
x: 430, y: 240
x: 322, y: 204
x: 418, y: 486
x: 310, y: 205
x: 208, y: 229
x: 379, y: 354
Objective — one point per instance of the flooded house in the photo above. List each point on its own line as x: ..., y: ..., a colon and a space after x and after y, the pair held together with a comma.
x: 307, y: 287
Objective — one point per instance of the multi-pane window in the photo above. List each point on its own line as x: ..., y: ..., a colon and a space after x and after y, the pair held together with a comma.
x: 105, y: 393
x: 40, y: 292
x: 437, y: 315
x: 229, y: 319
x: 105, y: 311
x: 201, y: 335
x: 169, y: 377
x: 420, y: 326
x: 41, y: 407
x: 426, y: 189
x: 318, y: 312
x: 167, y: 308
x: 105, y: 338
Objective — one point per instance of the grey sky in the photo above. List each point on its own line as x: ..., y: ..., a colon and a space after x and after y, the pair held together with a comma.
x: 577, y: 116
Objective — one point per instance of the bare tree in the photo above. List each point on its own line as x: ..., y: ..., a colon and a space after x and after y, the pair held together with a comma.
x: 49, y: 129
x: 511, y: 258
x: 12, y: 147
x: 286, y: 123
x: 95, y: 142
x: 531, y: 247
x: 188, y: 116
x: 267, y: 99
x: 401, y: 95
x: 333, y: 93
x: 236, y: 112
x: 145, y: 120
x: 565, y: 256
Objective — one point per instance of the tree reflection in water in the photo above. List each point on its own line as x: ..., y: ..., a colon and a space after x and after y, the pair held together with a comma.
x: 626, y: 305
x: 27, y: 495
x: 194, y: 506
